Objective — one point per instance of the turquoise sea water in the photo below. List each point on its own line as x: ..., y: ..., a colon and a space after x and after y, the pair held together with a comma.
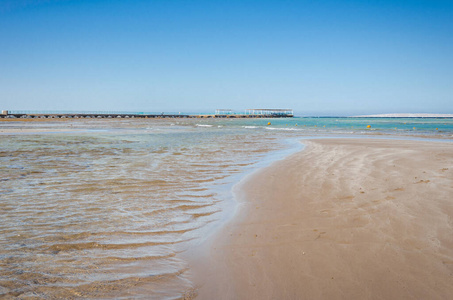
x: 429, y: 127
x: 108, y: 208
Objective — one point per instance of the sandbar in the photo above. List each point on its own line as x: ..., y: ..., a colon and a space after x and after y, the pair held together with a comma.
x: 342, y: 219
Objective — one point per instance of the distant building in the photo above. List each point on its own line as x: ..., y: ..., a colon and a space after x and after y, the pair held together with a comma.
x: 257, y: 112
x: 270, y: 112
x: 224, y: 112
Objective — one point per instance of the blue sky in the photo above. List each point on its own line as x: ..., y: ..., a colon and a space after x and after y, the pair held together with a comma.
x: 317, y: 57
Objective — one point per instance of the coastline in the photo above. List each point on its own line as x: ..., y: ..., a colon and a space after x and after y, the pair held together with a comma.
x: 344, y: 218
x: 220, y: 176
x: 407, y: 115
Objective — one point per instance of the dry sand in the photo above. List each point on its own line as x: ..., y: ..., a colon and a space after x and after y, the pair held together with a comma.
x: 343, y: 219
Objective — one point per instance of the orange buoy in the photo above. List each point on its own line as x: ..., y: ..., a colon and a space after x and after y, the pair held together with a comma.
x: 368, y: 126
x: 269, y: 123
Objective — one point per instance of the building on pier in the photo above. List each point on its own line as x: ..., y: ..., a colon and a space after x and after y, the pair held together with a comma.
x: 224, y: 112
x: 256, y: 112
x: 270, y: 112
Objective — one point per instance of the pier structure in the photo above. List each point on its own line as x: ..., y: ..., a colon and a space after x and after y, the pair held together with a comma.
x: 255, y: 113
x: 87, y: 115
x: 219, y: 113
x: 282, y: 113
x: 224, y: 112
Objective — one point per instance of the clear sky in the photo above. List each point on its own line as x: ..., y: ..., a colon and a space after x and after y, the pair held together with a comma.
x: 319, y: 57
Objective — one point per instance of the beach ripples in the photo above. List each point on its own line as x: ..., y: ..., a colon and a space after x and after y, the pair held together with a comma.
x: 108, y: 214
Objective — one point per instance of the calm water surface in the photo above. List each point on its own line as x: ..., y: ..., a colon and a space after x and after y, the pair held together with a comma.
x: 106, y: 208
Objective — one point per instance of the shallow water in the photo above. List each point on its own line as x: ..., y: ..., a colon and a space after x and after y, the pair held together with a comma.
x: 106, y: 208
x: 99, y: 213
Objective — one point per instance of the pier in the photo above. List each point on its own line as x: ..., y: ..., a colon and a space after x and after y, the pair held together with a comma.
x: 220, y: 113
x: 88, y: 115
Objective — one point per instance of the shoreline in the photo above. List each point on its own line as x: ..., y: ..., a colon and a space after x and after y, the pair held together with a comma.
x: 342, y: 218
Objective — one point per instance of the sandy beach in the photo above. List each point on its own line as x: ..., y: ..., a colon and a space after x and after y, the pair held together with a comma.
x: 342, y: 219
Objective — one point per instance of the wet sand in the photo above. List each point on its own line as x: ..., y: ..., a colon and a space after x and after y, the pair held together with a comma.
x: 343, y: 219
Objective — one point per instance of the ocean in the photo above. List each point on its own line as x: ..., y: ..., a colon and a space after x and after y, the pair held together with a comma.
x: 109, y: 208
